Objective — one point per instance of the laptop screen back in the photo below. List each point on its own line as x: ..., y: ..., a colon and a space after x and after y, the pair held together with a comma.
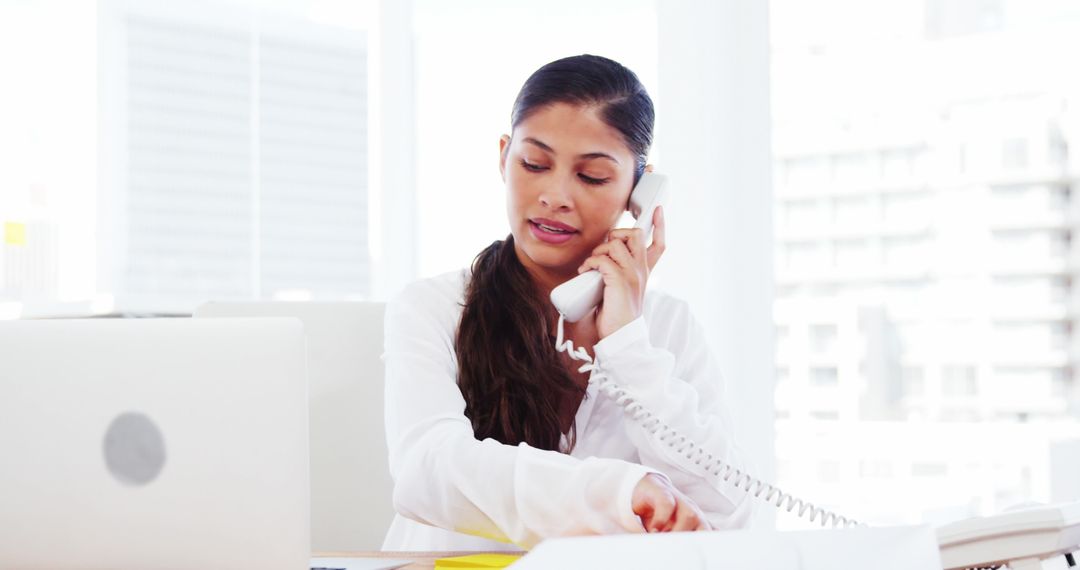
x: 153, y: 443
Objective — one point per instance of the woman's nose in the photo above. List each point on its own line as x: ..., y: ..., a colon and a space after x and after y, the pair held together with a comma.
x: 556, y: 197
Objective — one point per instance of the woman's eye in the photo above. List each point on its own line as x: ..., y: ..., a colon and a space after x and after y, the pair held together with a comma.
x: 590, y: 180
x: 532, y: 167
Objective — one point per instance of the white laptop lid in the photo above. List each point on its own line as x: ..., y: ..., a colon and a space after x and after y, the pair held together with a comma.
x: 153, y: 443
x: 351, y: 506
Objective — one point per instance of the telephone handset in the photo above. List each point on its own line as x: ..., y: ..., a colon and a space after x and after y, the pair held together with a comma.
x: 1019, y: 539
x: 580, y: 295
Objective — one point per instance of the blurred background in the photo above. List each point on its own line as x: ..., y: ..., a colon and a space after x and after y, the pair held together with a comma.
x: 873, y: 208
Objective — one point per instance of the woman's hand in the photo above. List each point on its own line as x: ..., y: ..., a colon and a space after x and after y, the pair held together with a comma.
x: 625, y: 263
x: 662, y: 508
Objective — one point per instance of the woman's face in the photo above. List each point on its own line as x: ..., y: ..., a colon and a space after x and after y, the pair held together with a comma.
x: 568, y: 177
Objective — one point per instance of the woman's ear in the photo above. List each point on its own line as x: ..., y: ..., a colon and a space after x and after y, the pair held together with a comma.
x: 648, y: 168
x: 504, y: 147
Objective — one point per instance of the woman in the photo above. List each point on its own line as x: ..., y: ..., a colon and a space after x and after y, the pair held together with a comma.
x: 494, y: 436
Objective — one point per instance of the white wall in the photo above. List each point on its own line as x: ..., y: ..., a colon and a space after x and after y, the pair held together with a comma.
x: 714, y: 129
x: 393, y: 150
x: 471, y: 60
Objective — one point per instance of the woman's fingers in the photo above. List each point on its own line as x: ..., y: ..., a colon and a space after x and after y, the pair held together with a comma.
x: 653, y: 502
x: 662, y: 508
x: 659, y: 243
x: 618, y: 251
x: 615, y: 251
x: 634, y: 239
x: 602, y: 263
x: 688, y: 516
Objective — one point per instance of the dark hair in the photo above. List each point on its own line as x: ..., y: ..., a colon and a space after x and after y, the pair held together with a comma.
x: 594, y: 80
x: 514, y: 382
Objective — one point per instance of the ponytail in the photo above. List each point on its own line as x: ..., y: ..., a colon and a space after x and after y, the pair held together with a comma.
x: 514, y: 382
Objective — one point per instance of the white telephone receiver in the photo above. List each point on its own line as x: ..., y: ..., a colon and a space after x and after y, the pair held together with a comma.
x: 580, y: 295
x: 1022, y: 539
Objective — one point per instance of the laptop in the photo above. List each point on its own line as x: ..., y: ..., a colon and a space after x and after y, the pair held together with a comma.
x: 153, y: 443
x: 351, y: 488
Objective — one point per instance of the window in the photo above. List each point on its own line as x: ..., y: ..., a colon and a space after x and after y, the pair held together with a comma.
x: 959, y: 381
x: 853, y: 254
x: 854, y: 211
x: 1062, y: 381
x: 823, y: 337
x: 875, y: 468
x: 807, y: 172
x: 956, y: 18
x: 801, y: 213
x: 904, y: 252
x: 897, y: 165
x: 230, y: 160
x: 952, y: 254
x: 1028, y: 245
x: 1057, y: 199
x: 824, y: 376
x: 935, y: 470
x: 829, y: 471
x: 913, y: 380
x: 909, y: 207
x: 804, y: 256
x: 242, y: 187
x: 854, y: 168
x: 1014, y: 153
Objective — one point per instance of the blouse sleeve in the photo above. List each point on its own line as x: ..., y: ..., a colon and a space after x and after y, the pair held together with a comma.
x: 686, y: 393
x: 445, y: 477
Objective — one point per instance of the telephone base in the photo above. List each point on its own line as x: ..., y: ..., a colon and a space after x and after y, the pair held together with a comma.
x: 1029, y: 538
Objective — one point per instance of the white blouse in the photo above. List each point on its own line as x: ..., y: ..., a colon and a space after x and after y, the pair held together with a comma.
x: 454, y: 492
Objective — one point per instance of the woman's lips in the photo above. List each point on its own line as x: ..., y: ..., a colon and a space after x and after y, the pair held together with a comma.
x: 548, y: 236
x: 553, y: 224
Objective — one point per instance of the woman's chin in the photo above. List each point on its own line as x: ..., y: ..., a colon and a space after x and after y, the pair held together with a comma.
x: 553, y: 262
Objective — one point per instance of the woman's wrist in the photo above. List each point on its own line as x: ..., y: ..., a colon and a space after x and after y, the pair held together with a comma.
x: 632, y: 333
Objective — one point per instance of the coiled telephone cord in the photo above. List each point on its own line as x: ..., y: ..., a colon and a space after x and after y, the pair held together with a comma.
x: 713, y: 466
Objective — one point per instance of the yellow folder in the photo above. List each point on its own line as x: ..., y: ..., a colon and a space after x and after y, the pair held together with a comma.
x: 477, y: 561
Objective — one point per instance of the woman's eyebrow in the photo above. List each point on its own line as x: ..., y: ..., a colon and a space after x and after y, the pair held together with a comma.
x: 592, y: 155
x: 587, y: 156
x: 539, y: 144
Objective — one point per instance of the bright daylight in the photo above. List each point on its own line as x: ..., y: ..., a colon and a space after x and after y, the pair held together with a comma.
x: 580, y: 283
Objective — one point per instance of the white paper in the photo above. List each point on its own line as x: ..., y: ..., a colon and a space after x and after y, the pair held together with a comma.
x: 888, y: 548
x: 359, y: 563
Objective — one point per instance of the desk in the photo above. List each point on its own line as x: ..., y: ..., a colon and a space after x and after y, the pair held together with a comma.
x: 421, y: 560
